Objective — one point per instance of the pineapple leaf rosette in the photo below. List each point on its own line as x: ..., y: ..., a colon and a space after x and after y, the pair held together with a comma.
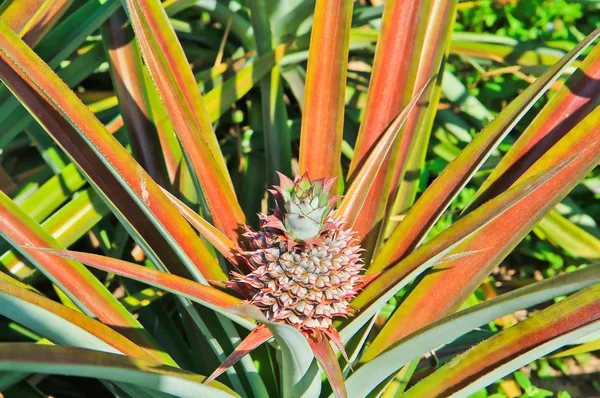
x: 304, y: 265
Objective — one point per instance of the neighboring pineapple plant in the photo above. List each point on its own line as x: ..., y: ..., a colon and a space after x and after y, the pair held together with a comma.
x: 292, y: 211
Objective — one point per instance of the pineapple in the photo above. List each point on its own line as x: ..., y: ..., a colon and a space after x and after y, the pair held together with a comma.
x: 304, y: 264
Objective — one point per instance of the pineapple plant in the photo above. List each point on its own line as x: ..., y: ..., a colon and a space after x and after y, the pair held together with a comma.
x: 352, y: 272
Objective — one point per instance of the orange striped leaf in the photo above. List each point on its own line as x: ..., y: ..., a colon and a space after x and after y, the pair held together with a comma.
x: 103, y: 159
x: 71, y: 277
x: 434, y: 201
x: 323, y: 115
x: 507, y: 351
x: 460, y: 278
x: 186, y: 110
x: 203, y: 294
x: 416, y: 132
x: 390, y: 89
x: 32, y: 19
x: 575, y: 99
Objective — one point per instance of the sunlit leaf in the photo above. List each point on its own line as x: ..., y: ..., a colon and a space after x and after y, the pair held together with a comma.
x: 461, y: 277
x: 62, y: 325
x: 391, y: 88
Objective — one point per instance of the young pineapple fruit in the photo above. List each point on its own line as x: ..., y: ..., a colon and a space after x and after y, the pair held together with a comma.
x: 304, y: 264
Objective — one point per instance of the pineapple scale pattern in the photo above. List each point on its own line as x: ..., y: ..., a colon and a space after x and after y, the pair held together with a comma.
x: 303, y: 282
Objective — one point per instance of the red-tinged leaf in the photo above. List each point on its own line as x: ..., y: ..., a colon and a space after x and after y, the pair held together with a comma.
x: 86, y: 208
x: 222, y: 243
x: 31, y: 19
x: 17, y: 14
x: 186, y: 110
x: 441, y: 293
x: 115, y: 125
x: 257, y: 336
x: 92, y: 326
x: 323, y: 115
x: 71, y: 277
x: 333, y: 334
x: 441, y: 192
x: 390, y: 90
x: 416, y: 131
x: 513, y: 347
x: 127, y: 73
x: 103, y: 159
x: 218, y: 100
x: 577, y: 97
x: 353, y: 201
x: 387, y: 282
x: 330, y: 365
x: 203, y: 294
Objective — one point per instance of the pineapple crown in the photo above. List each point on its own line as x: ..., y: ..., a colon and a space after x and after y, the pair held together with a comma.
x: 302, y: 205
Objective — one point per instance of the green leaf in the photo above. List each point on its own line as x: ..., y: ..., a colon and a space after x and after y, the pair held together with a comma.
x: 300, y: 373
x: 563, y: 233
x: 503, y: 49
x: 507, y: 351
x: 580, y: 349
x: 150, y: 217
x: 74, y: 279
x: 62, y: 325
x: 240, y: 26
x: 429, y: 338
x: 274, y: 113
x: 455, y: 176
x: 72, y: 361
x: 219, y: 99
